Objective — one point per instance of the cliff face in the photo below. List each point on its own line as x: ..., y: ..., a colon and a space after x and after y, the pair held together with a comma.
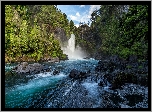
x: 60, y: 34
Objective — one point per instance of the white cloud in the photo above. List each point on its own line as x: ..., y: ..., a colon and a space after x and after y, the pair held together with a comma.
x: 93, y: 8
x: 82, y: 5
x: 78, y: 18
x: 77, y: 14
x: 84, y: 17
x: 73, y: 17
x: 77, y: 25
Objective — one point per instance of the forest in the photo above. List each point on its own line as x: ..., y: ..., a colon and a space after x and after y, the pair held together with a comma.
x: 114, y: 30
x: 113, y: 73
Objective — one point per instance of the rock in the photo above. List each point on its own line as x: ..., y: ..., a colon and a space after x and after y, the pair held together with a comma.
x: 24, y: 64
x: 77, y: 74
x: 73, y: 73
x: 114, y: 59
x: 121, y: 78
x: 53, y: 60
x: 55, y: 72
x: 28, y: 68
x: 82, y: 74
x: 60, y: 34
x: 46, y: 68
x: 132, y: 58
x: 142, y: 79
x: 86, y: 58
x: 105, y: 65
x: 100, y: 83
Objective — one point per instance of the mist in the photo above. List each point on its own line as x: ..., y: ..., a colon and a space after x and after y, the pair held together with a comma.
x: 72, y: 51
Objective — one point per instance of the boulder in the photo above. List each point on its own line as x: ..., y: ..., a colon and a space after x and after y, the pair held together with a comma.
x: 75, y: 74
x: 24, y: 67
x: 132, y: 58
x: 24, y: 64
x: 101, y: 83
x: 55, y: 72
x: 82, y: 74
x: 105, y: 65
x: 53, y: 60
x: 46, y: 68
x: 123, y: 77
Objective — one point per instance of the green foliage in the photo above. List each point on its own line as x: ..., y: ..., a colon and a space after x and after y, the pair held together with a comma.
x: 121, y: 30
x: 115, y: 29
x: 29, y: 31
x: 134, y: 28
x: 129, y: 66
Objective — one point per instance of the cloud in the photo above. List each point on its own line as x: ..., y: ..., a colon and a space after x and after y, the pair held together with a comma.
x: 77, y: 25
x: 93, y: 8
x: 85, y: 16
x: 78, y: 18
x: 75, y: 17
x: 77, y: 14
x: 82, y: 5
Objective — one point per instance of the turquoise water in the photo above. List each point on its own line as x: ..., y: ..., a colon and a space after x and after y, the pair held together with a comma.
x: 36, y: 88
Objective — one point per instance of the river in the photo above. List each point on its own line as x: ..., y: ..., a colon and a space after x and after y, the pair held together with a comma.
x: 45, y: 90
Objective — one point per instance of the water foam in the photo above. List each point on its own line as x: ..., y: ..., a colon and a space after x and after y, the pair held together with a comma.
x: 91, y: 87
x: 72, y: 51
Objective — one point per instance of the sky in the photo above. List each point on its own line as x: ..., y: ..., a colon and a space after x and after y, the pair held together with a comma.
x: 78, y: 13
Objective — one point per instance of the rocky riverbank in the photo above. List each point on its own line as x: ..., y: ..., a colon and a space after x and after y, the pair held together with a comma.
x: 118, y: 72
x: 109, y: 83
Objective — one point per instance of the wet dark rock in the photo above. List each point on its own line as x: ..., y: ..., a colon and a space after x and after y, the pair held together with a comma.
x: 142, y: 79
x: 122, y: 78
x: 82, y: 74
x: 118, y: 71
x: 56, y: 72
x: 101, y: 83
x: 133, y: 99
x: 132, y: 58
x: 86, y: 58
x: 46, y: 68
x: 105, y: 65
x: 114, y: 59
x: 119, y: 78
x: 75, y: 74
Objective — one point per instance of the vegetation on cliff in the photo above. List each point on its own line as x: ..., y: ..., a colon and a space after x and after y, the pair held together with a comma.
x: 115, y: 30
x: 29, y: 32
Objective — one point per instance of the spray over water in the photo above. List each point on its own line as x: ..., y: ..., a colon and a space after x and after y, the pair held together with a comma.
x: 72, y: 51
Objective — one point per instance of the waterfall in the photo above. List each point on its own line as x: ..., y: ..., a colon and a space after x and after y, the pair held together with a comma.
x: 71, y: 43
x: 72, y: 51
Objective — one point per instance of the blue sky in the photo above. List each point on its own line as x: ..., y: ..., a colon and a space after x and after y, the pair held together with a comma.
x: 78, y: 13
